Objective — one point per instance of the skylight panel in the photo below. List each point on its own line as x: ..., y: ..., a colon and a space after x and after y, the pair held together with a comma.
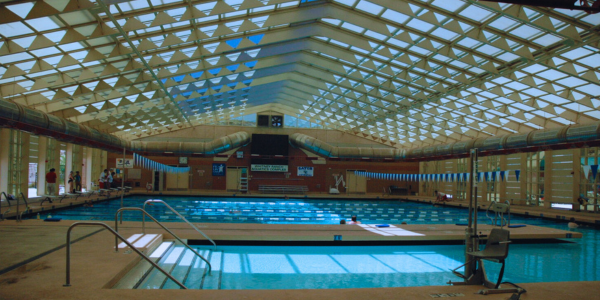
x: 444, y: 34
x: 503, y: 23
x: 593, y: 19
x: 507, y: 56
x: 353, y: 27
x: 534, y: 69
x: 569, y: 12
x: 576, y: 53
x: 334, y: 22
x: 488, y: 50
x: 346, y: 2
x: 419, y: 25
x: 234, y: 13
x: 339, y: 43
x: 14, y: 29
x: 133, y: 5
x: 264, y: 8
x: 535, y: 92
x: 469, y: 42
x: 397, y: 42
x: 369, y: 7
x: 11, y: 58
x: 591, y: 89
x: 451, y: 6
x: 395, y: 16
x: 43, y: 24
x: 475, y: 13
x: 551, y: 74
x: 525, y: 31
x: 592, y: 61
x: 420, y: 50
x: 516, y: 85
x: 547, y: 40
x: 375, y: 35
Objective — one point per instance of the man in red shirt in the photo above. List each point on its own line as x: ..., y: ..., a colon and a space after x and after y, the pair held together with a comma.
x: 51, y: 182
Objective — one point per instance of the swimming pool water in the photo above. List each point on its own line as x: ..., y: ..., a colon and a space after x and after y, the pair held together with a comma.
x: 280, y: 211
x: 260, y: 267
x: 327, y: 267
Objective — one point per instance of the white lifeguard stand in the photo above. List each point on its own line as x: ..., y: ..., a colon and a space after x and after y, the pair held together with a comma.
x: 338, y: 179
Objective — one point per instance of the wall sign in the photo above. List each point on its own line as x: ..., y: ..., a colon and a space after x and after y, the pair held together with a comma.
x: 239, y: 154
x: 306, y: 171
x: 269, y: 168
x: 218, y: 170
x: 128, y: 163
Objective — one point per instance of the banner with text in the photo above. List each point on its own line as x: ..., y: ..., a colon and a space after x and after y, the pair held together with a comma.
x: 269, y: 168
x: 306, y: 171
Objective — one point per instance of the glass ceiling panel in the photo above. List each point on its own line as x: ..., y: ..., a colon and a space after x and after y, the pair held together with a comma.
x: 437, y: 54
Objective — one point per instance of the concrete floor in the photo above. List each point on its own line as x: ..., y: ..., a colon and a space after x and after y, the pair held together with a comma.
x: 32, y: 266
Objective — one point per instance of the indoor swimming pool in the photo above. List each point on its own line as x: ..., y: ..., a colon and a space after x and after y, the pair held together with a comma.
x: 328, y: 267
x: 279, y: 211
x: 325, y: 267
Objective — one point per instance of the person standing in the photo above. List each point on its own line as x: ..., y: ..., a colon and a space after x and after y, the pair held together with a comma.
x: 77, y: 182
x: 70, y: 182
x: 110, y: 180
x: 51, y: 182
x: 103, y: 179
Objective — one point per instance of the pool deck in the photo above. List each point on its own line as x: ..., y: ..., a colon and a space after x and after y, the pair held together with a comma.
x: 32, y: 262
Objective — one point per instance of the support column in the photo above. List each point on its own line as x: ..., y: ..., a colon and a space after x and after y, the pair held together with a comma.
x: 523, y: 179
x: 14, y: 161
x: 24, y: 164
x: 467, y: 183
x: 4, y: 158
x: 53, y: 160
x: 454, y: 170
x: 92, y: 168
x: 68, y: 166
x: 483, y: 186
x: 501, y: 184
x: 548, y: 166
x: 576, y: 177
x: 41, y: 169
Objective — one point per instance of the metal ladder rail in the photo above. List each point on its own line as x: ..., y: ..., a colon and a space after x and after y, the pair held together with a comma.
x: 120, y: 211
x: 7, y: 201
x: 178, y: 214
x: 117, y: 236
x: 19, y: 216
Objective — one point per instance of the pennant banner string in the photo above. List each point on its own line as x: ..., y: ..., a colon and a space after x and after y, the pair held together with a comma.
x: 150, y: 164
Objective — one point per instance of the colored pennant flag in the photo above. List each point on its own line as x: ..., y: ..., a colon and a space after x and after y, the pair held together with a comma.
x: 517, y: 174
x: 586, y: 171
x: 594, y: 171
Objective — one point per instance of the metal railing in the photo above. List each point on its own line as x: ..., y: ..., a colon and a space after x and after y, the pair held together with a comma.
x: 7, y: 201
x: 120, y: 211
x: 178, y: 214
x: 118, y: 236
x: 19, y: 215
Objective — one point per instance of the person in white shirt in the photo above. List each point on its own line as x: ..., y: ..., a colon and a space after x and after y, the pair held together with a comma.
x: 104, y: 179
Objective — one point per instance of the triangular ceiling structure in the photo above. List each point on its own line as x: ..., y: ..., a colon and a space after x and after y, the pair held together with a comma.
x: 410, y: 73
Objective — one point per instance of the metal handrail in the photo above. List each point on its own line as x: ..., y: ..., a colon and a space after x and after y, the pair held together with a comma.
x: 25, y: 200
x: 7, y: 201
x: 120, y: 211
x: 117, y: 235
x: 178, y: 214
x: 6, y: 197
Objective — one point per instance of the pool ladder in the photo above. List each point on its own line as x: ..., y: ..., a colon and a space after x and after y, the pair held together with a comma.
x: 120, y: 211
x: 19, y: 215
x: 117, y: 236
x: 178, y: 214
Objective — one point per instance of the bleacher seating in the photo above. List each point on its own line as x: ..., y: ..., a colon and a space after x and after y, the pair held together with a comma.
x: 283, y: 189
